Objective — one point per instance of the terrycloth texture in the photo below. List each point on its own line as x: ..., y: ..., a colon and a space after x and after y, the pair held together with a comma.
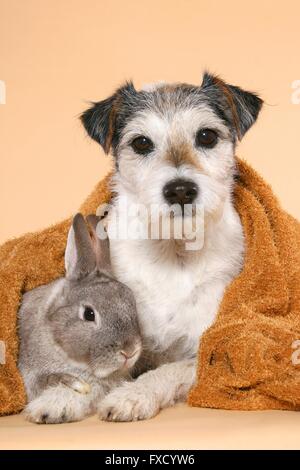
x: 26, y: 263
x: 245, y: 357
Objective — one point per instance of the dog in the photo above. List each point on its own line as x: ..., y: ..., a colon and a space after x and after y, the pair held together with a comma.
x: 173, y: 144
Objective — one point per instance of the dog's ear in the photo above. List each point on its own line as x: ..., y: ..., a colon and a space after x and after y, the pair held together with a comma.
x: 100, y: 121
x: 239, y: 107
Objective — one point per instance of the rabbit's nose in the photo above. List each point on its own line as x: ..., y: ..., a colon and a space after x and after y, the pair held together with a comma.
x: 131, y: 351
x: 130, y: 347
x: 128, y: 355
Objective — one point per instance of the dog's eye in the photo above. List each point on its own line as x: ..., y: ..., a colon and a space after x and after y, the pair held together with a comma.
x: 89, y: 314
x: 206, y: 138
x: 142, y: 145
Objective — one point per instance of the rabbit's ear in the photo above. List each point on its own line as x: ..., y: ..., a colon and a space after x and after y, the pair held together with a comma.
x: 101, y: 246
x: 80, y: 258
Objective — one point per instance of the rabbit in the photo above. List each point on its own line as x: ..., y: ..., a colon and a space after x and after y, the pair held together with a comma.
x: 79, y: 335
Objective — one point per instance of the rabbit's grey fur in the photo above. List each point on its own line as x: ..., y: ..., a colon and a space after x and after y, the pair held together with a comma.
x: 68, y: 364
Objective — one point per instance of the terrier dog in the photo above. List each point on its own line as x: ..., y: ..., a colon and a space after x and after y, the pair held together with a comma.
x: 173, y: 144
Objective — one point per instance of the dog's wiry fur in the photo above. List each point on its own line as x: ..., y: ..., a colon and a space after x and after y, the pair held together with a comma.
x: 178, y: 292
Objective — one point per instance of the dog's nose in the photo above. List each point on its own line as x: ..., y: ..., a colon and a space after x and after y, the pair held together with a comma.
x: 180, y: 192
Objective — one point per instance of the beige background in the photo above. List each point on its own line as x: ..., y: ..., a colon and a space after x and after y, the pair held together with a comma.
x: 55, y: 55
x: 179, y: 427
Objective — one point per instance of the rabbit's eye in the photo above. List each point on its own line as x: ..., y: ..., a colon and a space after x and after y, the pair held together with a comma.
x: 89, y: 314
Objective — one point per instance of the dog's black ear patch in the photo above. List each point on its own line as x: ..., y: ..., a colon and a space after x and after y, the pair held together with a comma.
x: 238, y: 107
x: 102, y: 122
x: 96, y: 121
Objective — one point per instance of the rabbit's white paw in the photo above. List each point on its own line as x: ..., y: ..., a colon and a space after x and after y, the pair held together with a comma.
x: 56, y: 405
x: 128, y: 402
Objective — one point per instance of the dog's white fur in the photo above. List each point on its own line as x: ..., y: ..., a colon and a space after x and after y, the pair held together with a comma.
x: 177, y: 296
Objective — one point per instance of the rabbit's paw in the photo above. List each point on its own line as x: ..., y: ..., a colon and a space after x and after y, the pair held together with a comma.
x: 56, y: 405
x: 128, y: 403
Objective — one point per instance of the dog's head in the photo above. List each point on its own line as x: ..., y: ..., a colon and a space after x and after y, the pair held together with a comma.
x: 174, y: 143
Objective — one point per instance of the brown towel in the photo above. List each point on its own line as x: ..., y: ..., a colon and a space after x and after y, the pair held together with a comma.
x: 245, y: 358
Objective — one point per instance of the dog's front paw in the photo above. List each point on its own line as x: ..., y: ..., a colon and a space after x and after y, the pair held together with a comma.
x: 56, y: 405
x: 128, y: 403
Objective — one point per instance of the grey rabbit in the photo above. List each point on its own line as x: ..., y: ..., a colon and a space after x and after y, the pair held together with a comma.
x: 79, y: 335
